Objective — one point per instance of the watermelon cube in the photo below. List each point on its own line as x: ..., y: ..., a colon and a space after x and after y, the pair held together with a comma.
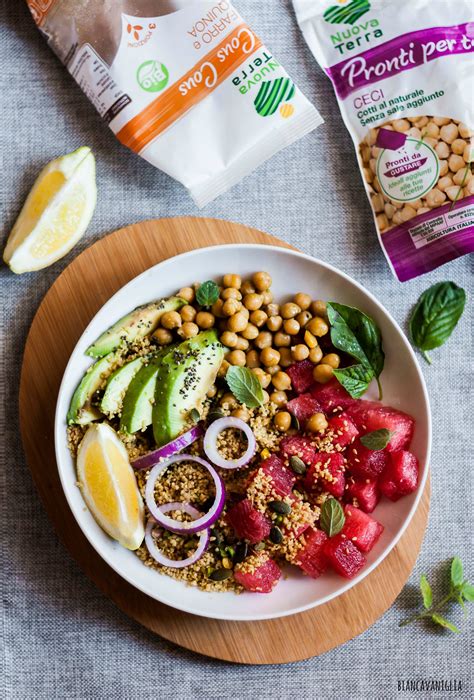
x: 248, y: 522
x: 302, y: 517
x: 361, y: 529
x: 332, y: 396
x: 297, y: 445
x: 282, y: 478
x: 311, y: 557
x: 343, y: 429
x: 326, y: 470
x: 258, y: 573
x: 343, y: 556
x: 370, y: 415
x: 364, y: 463
x: 401, y: 475
x: 363, y: 493
x: 301, y: 375
x: 303, y: 407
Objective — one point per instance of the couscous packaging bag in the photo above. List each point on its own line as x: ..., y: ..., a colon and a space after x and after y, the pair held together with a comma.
x: 186, y: 84
x: 403, y: 73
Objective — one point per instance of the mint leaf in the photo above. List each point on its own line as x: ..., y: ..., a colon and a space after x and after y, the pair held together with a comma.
x: 332, y: 517
x: 468, y: 592
x: 207, y: 293
x: 355, y: 379
x: 456, y: 572
x: 377, y: 439
x: 245, y: 386
x: 440, y: 620
x: 426, y: 592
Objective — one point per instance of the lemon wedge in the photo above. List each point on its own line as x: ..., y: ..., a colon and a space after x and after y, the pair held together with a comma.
x: 56, y: 213
x: 109, y: 486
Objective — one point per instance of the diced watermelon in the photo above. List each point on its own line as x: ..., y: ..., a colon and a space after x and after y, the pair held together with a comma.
x: 361, y: 529
x: 365, y: 492
x: 298, y: 445
x: 401, y: 475
x: 344, y: 430
x: 301, y: 375
x: 370, y: 415
x: 258, y: 573
x: 365, y: 463
x: 331, y: 463
x: 303, y: 407
x: 343, y: 556
x: 311, y: 557
x: 332, y: 396
x: 248, y: 522
x: 283, y: 479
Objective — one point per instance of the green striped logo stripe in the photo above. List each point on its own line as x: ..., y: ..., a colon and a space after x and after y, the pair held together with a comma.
x: 262, y: 93
x: 272, y: 105
x: 274, y: 91
x: 348, y: 14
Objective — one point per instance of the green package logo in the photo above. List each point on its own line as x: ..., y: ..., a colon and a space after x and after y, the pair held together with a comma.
x: 346, y: 13
x: 271, y: 94
x: 152, y: 76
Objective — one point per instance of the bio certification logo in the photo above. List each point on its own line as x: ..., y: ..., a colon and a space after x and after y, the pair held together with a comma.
x: 152, y: 76
x: 346, y: 12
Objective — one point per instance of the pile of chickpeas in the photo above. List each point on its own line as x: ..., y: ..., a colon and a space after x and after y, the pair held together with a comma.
x: 259, y: 334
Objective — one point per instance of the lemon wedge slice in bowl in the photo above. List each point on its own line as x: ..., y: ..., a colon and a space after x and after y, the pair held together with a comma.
x: 109, y: 486
x: 56, y: 212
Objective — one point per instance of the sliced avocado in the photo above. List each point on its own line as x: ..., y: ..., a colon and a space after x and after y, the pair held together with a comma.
x: 185, y: 375
x: 80, y: 409
x: 134, y: 326
x: 117, y: 386
x: 138, y: 400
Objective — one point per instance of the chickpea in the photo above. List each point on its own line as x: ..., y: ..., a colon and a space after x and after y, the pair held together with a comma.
x: 332, y: 359
x: 282, y: 421
x: 377, y: 203
x: 247, y: 287
x: 231, y: 293
x: 445, y: 182
x: 432, y: 130
x: 318, y: 308
x: 401, y: 125
x: 303, y: 317
x: 299, y: 352
x: 281, y: 381
x: 188, y: 313
x: 232, y: 280
x: 290, y: 310
x: 258, y: 318
x: 316, y: 355
x: 303, y: 300
x: 322, y: 373
x: 163, y: 336
x: 171, y: 319
x: 456, y: 162
x: 245, y: 312
x: 458, y: 146
x: 279, y: 398
x: 435, y: 198
x: 236, y: 357
x: 430, y: 141
x: 469, y: 189
x: 464, y: 131
x: 253, y: 359
x: 251, y: 332
x: 252, y: 302
x: 282, y: 340
x: 269, y: 357
x: 440, y: 121
x: 273, y: 370
x: 461, y: 177
x: 237, y: 323
x: 231, y: 307
x: 449, y: 132
x: 272, y: 309
x: 415, y: 132
x: 267, y: 297
x: 223, y: 369
x: 310, y: 340
x: 389, y: 210
x: 285, y: 357
x: 217, y: 307
x: 205, y: 320
x: 186, y: 293
x: 212, y: 392
x: 262, y: 281
x: 291, y: 326
x: 317, y: 423
x: 229, y: 339
x: 263, y: 377
x: 452, y: 192
x: 228, y: 400
x: 382, y: 222
x: 274, y: 323
x: 407, y: 213
x: 468, y: 153
x: 318, y: 326
x: 242, y: 343
x: 442, y: 150
x: 188, y: 330
x: 241, y: 413
x: 263, y: 340
x: 443, y: 167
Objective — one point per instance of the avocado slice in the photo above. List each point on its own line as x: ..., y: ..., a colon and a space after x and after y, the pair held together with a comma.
x: 134, y: 326
x: 80, y: 409
x: 138, y: 400
x: 184, y: 377
x: 117, y: 386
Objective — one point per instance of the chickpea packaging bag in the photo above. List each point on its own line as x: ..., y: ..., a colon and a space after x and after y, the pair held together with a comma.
x: 403, y: 73
x: 186, y: 84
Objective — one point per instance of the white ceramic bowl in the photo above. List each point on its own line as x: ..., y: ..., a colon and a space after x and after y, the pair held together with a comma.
x: 403, y: 387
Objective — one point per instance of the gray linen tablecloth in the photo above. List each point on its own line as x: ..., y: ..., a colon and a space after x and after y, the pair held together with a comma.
x: 63, y: 639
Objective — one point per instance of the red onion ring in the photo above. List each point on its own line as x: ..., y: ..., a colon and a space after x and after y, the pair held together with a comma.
x: 156, y: 553
x: 210, y: 443
x: 197, y: 525
x: 149, y: 460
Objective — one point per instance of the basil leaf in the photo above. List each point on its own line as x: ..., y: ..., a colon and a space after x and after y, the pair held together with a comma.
x: 207, y: 293
x: 468, y: 592
x: 358, y: 335
x: 440, y: 620
x: 332, y: 517
x: 377, y: 439
x: 456, y: 572
x: 355, y: 379
x: 435, y: 316
x: 245, y: 386
x: 426, y: 592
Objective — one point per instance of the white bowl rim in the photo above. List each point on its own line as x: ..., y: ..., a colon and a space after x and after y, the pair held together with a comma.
x: 367, y: 570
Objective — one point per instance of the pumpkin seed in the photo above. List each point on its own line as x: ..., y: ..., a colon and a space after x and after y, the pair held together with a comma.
x: 195, y: 415
x: 230, y: 551
x: 295, y: 423
x: 241, y: 552
x: 220, y: 574
x: 215, y: 414
x: 280, y: 507
x: 297, y: 465
x: 276, y: 535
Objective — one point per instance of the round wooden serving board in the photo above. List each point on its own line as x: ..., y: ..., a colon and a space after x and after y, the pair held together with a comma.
x: 79, y: 292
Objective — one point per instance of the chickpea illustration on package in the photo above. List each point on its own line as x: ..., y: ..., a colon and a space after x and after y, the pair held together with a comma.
x: 186, y: 84
x: 403, y: 73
